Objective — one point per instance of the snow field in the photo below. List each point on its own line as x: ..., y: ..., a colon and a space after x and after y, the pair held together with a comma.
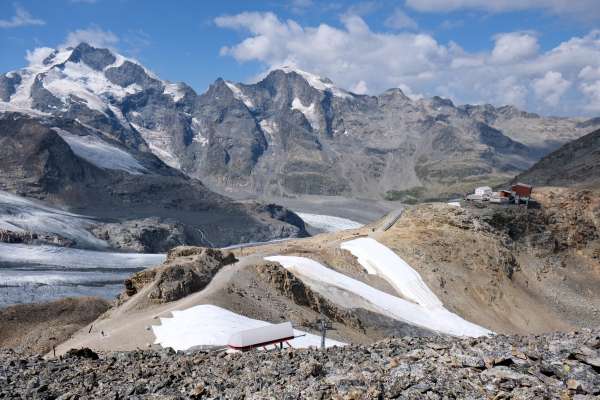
x: 209, y: 325
x: 100, y: 153
x: 328, y: 223
x: 379, y: 260
x: 308, y: 111
x: 333, y: 285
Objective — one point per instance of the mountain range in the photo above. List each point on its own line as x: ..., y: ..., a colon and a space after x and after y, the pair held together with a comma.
x: 291, y: 133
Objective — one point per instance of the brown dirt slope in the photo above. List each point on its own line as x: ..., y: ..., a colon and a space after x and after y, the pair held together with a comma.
x: 35, y: 328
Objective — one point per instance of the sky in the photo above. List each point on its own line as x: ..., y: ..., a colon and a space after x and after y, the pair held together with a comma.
x: 539, y: 55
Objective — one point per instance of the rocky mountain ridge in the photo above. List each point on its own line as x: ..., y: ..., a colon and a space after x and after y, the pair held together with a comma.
x: 290, y: 133
x: 142, y: 205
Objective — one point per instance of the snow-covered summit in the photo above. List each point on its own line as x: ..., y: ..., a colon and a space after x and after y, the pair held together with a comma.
x: 316, y: 81
x: 56, y: 79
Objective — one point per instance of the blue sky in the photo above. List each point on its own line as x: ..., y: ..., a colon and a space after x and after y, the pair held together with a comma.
x: 501, y: 51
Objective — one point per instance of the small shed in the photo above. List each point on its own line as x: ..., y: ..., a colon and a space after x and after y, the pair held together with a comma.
x: 261, y: 337
x: 483, y: 191
x: 522, y: 190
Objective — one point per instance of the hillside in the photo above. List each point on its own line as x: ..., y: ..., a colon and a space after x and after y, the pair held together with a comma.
x: 524, y: 271
x: 577, y: 163
x: 291, y: 133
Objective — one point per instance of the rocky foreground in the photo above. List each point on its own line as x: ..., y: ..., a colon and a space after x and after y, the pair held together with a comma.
x: 553, y: 366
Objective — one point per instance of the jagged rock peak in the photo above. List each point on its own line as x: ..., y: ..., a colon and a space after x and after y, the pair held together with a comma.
x: 316, y: 81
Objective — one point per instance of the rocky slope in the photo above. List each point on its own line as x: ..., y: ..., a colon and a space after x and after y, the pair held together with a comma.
x: 577, y: 163
x: 290, y: 133
x: 551, y: 366
x: 140, y: 204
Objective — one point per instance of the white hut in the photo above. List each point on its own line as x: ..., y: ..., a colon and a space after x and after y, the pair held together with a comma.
x: 261, y: 337
x: 483, y: 191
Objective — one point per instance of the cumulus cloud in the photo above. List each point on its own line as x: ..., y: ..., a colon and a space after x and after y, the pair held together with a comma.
x: 514, y: 46
x: 399, y: 20
x: 93, y: 36
x: 514, y: 71
x: 586, y: 9
x: 22, y: 17
x: 37, y: 56
x: 551, y: 87
x: 360, y: 87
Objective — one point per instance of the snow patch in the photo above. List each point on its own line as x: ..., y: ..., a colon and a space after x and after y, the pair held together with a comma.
x: 78, y: 79
x: 328, y: 223
x: 309, y: 112
x: 343, y: 290
x: 238, y: 94
x: 159, y: 144
x: 198, y: 137
x: 317, y: 82
x: 22, y: 96
x: 379, y: 260
x: 454, y: 203
x: 269, y: 127
x: 100, y: 153
x: 175, y: 90
x: 209, y: 325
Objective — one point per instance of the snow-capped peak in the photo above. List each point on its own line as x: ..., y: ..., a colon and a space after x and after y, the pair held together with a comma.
x: 72, y: 75
x: 316, y: 81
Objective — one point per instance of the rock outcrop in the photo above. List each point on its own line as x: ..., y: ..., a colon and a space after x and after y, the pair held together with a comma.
x: 186, y: 271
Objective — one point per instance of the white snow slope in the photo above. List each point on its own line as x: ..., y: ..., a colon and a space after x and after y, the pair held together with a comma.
x: 19, y: 214
x: 379, y: 260
x: 328, y: 223
x: 100, y: 153
x: 238, y: 94
x: 308, y: 111
x: 343, y: 290
x: 209, y: 325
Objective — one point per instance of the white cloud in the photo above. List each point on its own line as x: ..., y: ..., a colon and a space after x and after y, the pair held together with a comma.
x: 551, y: 87
x: 592, y: 93
x: 93, y: 36
x: 360, y: 87
x: 37, y: 56
x: 354, y: 53
x: 409, y: 92
x: 587, y: 9
x: 399, y: 20
x: 514, y: 46
x: 21, y: 18
x: 590, y: 87
x: 589, y: 73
